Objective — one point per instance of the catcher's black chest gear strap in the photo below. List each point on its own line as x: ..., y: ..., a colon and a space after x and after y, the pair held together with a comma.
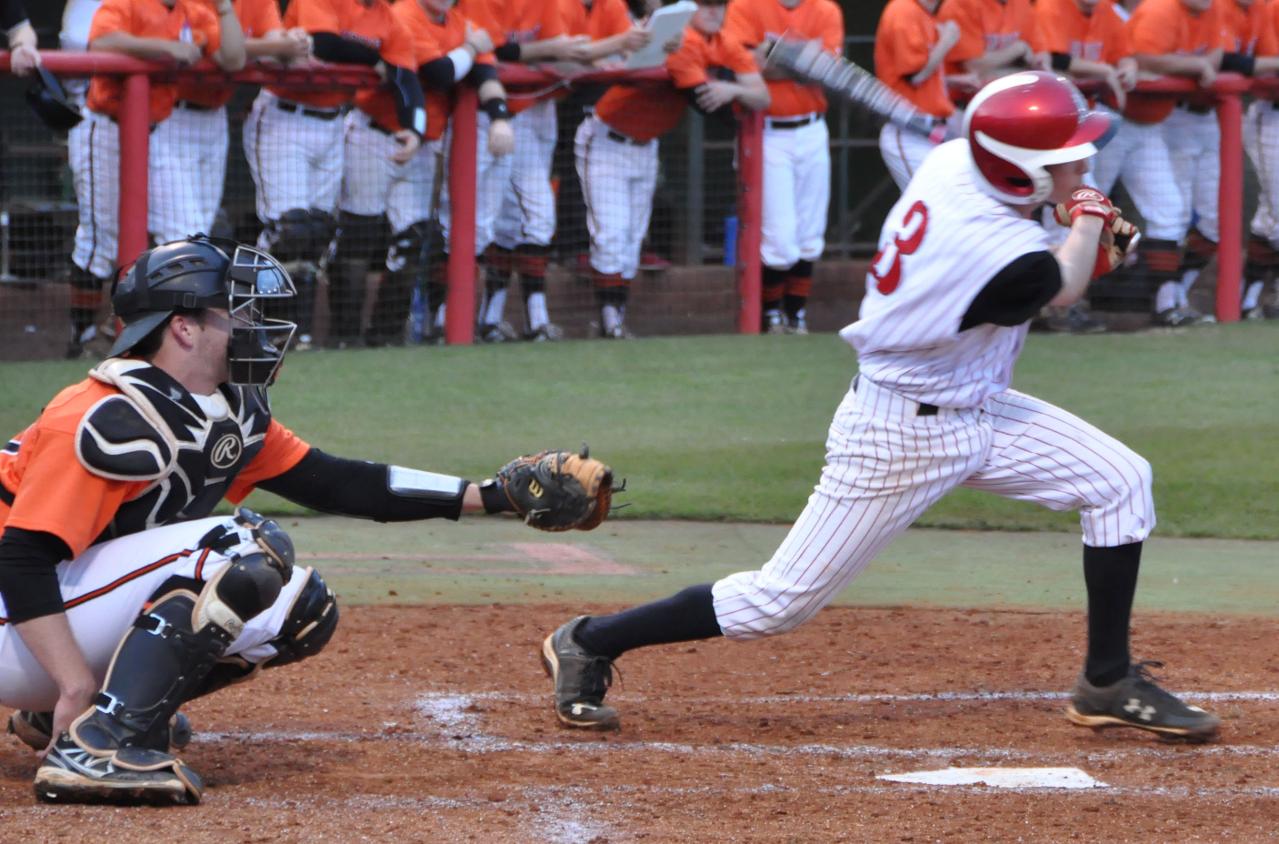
x: 155, y: 430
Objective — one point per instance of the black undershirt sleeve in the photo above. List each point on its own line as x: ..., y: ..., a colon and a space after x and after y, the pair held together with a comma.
x: 1016, y: 293
x: 1238, y: 63
x: 331, y: 47
x: 437, y: 75
x: 481, y: 73
x: 508, y: 52
x: 29, y: 575
x: 12, y: 13
x: 407, y: 90
x: 358, y: 488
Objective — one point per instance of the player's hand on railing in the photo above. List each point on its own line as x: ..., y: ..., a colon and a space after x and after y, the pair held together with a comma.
x: 183, y: 53
x: 23, y: 60
x: 501, y: 138
x: 409, y: 142
x: 575, y: 48
x: 1116, y: 87
x: 715, y: 94
x: 1208, y: 75
x: 478, y: 39
x: 297, y: 45
x: 1127, y: 72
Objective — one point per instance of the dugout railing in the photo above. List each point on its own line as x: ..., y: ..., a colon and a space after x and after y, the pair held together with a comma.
x: 462, y: 281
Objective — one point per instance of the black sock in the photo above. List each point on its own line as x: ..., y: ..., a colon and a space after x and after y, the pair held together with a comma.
x: 1111, y: 577
x: 684, y: 616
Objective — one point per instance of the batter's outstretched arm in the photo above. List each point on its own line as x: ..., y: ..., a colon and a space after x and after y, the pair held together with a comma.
x: 1077, y: 257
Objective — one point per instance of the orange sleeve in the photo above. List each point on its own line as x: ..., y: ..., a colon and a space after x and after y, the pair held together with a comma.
x: 203, y: 19
x: 741, y: 24
x: 972, y: 36
x: 833, y: 30
x: 112, y: 16
x: 1114, y: 39
x: 906, y: 44
x: 318, y: 15
x: 1151, y: 37
x: 59, y: 496
x: 1267, y: 41
x: 397, y: 46
x: 687, y: 65
x: 737, y: 58
x: 1052, y: 33
x: 261, y: 17
x: 281, y: 451
x: 552, y: 21
x: 616, y: 19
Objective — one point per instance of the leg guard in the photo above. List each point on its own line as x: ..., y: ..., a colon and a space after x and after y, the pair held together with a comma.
x: 111, y: 752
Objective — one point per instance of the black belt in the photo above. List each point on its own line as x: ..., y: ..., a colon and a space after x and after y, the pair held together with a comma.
x: 5, y: 496
x: 377, y: 127
x: 187, y: 105
x: 322, y: 114
x: 923, y: 409
x: 792, y: 124
x: 622, y: 139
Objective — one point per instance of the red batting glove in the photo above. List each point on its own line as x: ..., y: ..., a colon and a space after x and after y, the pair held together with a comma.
x: 1085, y: 202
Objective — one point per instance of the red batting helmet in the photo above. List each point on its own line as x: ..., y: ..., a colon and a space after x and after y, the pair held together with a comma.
x: 1020, y: 123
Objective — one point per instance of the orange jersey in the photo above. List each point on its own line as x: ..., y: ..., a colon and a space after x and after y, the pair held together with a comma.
x: 905, y: 36
x: 191, y: 21
x: 1248, y: 29
x: 1163, y: 27
x: 644, y: 113
x: 257, y: 18
x: 53, y: 492
x: 1062, y: 27
x: 604, y: 18
x: 986, y: 25
x: 515, y: 23
x: 372, y: 25
x: 753, y: 22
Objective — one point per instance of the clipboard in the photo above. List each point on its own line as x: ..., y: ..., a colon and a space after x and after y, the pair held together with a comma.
x: 666, y: 23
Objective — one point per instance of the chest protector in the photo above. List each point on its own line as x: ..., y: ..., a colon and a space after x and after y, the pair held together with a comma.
x: 154, y: 430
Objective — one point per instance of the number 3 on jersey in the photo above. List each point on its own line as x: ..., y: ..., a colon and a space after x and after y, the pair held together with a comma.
x: 886, y: 266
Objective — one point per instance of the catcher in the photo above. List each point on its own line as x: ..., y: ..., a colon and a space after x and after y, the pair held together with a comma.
x: 122, y: 597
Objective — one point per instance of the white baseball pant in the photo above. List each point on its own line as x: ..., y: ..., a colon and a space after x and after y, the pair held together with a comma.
x: 1139, y: 155
x: 190, y: 150
x: 796, y: 191
x: 492, y: 174
x: 119, y: 576
x: 96, y: 152
x: 527, y: 212
x: 618, y: 178
x: 373, y: 184
x: 903, y: 152
x: 295, y: 159
x: 886, y: 465
x: 1194, y: 146
x: 1261, y: 140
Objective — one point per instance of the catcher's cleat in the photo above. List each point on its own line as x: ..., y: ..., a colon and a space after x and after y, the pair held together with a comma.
x: 34, y: 729
x: 73, y: 773
x: 581, y: 680
x: 1136, y: 701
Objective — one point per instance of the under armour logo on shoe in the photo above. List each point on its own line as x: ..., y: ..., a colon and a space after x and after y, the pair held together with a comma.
x: 1134, y: 707
x: 580, y: 708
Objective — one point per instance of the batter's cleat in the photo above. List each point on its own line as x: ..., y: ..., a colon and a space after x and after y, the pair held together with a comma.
x: 1136, y: 701
x: 130, y: 776
x: 581, y: 680
x: 34, y: 729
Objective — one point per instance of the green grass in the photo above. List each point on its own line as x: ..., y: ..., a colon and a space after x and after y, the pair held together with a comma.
x: 733, y: 427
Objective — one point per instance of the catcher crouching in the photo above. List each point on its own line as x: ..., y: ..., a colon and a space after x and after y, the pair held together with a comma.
x: 121, y: 597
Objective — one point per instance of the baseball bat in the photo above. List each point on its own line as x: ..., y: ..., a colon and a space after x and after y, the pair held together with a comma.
x: 808, y: 61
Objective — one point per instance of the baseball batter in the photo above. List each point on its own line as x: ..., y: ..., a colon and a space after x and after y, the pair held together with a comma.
x: 122, y: 597
x: 180, y: 31
x: 293, y: 137
x: 931, y: 409
x: 910, y: 46
x: 796, y: 155
x: 616, y: 148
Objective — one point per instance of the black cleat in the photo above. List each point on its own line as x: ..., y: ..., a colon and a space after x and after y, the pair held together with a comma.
x: 129, y: 776
x: 581, y: 681
x: 34, y: 729
x: 1136, y: 701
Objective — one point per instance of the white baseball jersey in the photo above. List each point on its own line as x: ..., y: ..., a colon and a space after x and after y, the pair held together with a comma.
x: 618, y: 179
x: 931, y: 411
x: 796, y: 191
x: 106, y: 587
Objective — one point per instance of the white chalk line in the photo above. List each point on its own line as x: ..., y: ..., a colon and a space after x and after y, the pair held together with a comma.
x: 1026, y: 696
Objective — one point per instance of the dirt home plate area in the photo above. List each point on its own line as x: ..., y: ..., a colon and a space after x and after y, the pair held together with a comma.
x: 433, y: 723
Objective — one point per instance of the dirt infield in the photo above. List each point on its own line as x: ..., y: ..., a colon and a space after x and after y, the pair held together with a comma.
x: 433, y: 724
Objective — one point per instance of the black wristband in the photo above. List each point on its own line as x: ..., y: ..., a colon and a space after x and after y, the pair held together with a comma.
x: 508, y: 52
x: 495, y: 500
x: 496, y: 109
x: 1238, y: 63
x: 1061, y: 61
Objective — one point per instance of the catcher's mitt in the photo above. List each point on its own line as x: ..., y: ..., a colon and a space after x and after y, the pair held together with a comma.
x: 558, y: 490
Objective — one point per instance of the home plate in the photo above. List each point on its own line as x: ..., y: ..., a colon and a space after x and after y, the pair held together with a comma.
x: 1001, y: 777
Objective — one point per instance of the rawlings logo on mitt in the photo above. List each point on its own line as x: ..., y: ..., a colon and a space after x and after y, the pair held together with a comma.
x: 558, y: 490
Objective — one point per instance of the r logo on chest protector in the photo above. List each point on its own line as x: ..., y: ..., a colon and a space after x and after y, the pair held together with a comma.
x: 226, y: 451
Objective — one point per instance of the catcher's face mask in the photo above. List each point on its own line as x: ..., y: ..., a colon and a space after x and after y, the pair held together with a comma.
x: 257, y: 343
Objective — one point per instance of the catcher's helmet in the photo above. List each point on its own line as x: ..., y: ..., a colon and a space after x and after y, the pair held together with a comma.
x: 1018, y: 124
x: 50, y: 103
x: 200, y: 273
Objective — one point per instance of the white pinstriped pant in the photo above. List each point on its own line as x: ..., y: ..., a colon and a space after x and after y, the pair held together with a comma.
x: 1194, y: 146
x: 886, y: 465
x: 1139, y: 155
x: 1261, y: 140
